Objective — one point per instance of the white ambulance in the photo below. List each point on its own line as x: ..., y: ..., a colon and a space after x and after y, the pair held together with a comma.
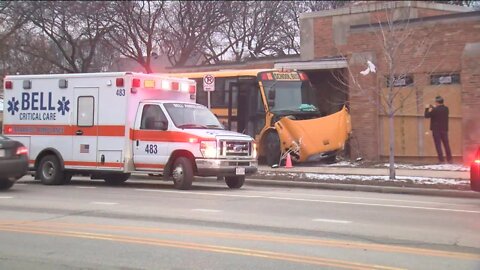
x: 109, y: 125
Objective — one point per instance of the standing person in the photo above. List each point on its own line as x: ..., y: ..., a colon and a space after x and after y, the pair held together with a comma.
x: 438, y: 115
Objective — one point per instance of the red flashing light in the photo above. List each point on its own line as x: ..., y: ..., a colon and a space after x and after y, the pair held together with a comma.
x: 303, y: 76
x: 192, y: 89
x: 8, y: 84
x: 265, y: 76
x: 22, y: 150
x: 477, y: 161
x: 175, y: 86
x: 119, y: 82
x: 9, y: 130
x: 135, y: 83
x: 193, y: 140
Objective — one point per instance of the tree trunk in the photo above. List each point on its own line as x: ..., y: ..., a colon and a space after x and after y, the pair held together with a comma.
x: 391, y: 140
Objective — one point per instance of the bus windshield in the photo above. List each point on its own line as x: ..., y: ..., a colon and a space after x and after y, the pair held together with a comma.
x: 290, y: 96
x: 190, y: 116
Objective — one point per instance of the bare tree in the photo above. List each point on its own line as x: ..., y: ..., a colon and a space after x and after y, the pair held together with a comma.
x: 74, y: 30
x: 136, y: 28
x: 392, y: 41
x: 188, y: 24
x: 10, y: 19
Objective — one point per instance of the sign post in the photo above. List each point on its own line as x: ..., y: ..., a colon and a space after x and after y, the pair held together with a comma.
x: 208, y: 85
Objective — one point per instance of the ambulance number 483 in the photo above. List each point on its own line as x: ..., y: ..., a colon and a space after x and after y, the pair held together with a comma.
x: 151, y: 149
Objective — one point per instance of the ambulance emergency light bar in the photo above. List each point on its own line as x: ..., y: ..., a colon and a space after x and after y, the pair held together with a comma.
x: 136, y: 83
x: 164, y: 85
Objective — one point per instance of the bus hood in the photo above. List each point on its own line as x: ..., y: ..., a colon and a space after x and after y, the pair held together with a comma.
x: 312, y: 138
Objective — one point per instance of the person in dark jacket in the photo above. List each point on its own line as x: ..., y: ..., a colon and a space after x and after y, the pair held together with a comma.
x: 438, y: 115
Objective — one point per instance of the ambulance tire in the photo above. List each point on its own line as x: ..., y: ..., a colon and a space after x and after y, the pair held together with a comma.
x: 67, y: 178
x: 182, y: 173
x: 116, y: 179
x: 272, y: 149
x: 235, y: 182
x: 6, y: 184
x: 51, y: 173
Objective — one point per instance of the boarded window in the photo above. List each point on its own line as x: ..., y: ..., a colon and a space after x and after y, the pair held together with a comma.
x: 401, y: 81
x: 438, y: 79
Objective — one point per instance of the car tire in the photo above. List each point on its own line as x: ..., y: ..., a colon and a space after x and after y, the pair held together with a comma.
x: 6, y: 184
x: 116, y: 179
x: 235, y: 182
x: 50, y: 170
x: 272, y: 149
x: 182, y: 173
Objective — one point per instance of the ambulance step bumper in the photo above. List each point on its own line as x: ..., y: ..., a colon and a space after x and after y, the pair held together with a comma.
x: 222, y: 167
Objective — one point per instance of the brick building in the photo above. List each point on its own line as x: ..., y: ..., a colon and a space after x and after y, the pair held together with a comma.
x: 448, y: 65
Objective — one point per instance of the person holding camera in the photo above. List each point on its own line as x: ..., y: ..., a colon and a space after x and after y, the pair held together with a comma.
x: 438, y: 115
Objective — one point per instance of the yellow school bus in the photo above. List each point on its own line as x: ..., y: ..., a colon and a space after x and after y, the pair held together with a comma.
x: 279, y: 109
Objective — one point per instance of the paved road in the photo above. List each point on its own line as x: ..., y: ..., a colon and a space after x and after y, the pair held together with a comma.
x: 149, y: 225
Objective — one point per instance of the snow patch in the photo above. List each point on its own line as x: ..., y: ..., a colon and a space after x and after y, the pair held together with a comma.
x: 438, y: 167
x: 414, y: 179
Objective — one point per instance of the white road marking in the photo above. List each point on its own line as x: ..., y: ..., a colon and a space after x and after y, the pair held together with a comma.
x: 104, y: 203
x: 206, y: 210
x: 313, y: 200
x: 85, y: 187
x: 331, y: 220
x: 363, y: 198
x: 6, y: 197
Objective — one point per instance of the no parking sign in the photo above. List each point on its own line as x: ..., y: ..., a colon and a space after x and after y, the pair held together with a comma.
x: 208, y: 83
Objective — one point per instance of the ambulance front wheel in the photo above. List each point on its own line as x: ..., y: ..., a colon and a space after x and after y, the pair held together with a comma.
x: 50, y: 171
x: 182, y: 173
x: 235, y: 182
x: 116, y: 179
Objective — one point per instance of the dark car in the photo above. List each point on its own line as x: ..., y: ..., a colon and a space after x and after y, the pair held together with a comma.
x: 13, y: 162
x: 475, y: 172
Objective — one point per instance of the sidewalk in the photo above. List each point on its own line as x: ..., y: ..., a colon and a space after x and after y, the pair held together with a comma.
x: 435, y: 180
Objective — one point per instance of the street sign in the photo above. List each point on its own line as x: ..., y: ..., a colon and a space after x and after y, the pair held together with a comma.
x: 208, y: 83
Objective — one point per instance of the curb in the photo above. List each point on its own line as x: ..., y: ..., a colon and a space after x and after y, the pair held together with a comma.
x: 366, y: 188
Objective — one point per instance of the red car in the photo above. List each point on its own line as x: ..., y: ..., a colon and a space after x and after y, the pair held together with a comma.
x: 13, y: 162
x: 475, y: 172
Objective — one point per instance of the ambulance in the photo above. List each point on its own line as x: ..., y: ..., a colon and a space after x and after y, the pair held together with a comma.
x: 110, y: 125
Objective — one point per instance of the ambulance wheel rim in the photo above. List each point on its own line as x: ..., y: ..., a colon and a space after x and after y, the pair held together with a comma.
x: 48, y: 170
x: 178, y: 173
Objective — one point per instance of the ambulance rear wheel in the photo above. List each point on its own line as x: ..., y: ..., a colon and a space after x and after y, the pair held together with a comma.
x: 116, y: 179
x: 51, y: 173
x: 235, y: 182
x: 182, y: 173
x: 272, y: 149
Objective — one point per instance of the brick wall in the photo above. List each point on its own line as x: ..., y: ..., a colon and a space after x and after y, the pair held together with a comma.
x: 445, y: 43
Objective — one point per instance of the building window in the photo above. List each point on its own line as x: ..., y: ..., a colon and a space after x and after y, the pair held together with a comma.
x: 401, y: 81
x: 438, y: 79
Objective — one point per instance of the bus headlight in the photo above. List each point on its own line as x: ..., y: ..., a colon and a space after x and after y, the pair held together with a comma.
x: 208, y: 149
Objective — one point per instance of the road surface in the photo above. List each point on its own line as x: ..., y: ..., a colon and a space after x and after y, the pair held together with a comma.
x: 150, y: 225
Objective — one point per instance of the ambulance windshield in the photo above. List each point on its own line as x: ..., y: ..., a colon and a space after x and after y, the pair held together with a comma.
x: 185, y: 115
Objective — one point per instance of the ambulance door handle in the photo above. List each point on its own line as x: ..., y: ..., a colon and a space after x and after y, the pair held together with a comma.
x: 137, y: 143
x: 79, y: 132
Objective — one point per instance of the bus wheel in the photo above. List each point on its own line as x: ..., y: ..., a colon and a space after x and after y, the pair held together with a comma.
x: 117, y: 178
x: 235, y: 182
x: 182, y: 173
x: 50, y: 170
x: 272, y: 147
